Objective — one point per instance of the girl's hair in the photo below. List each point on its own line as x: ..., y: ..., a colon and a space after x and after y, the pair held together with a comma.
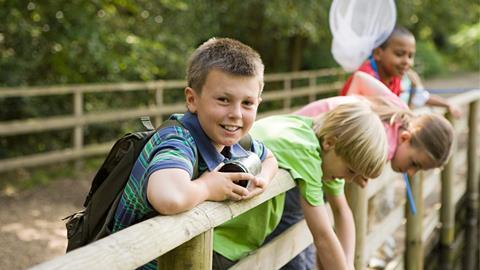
x: 388, y: 111
x: 360, y: 138
x: 225, y: 54
x: 429, y: 132
x: 434, y: 134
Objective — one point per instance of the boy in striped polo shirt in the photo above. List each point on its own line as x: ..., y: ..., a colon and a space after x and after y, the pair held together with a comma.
x: 225, y: 80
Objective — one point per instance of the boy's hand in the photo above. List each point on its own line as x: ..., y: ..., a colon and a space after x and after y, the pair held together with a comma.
x: 454, y: 111
x: 257, y: 186
x: 221, y: 186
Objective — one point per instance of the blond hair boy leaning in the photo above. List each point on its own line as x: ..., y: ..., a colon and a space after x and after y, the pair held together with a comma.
x: 320, y: 154
x: 225, y: 80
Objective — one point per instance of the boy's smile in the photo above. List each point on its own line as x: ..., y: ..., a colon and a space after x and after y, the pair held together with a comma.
x: 397, y: 57
x: 226, y: 107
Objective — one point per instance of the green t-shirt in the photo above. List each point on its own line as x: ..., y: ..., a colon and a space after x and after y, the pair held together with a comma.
x: 297, y: 149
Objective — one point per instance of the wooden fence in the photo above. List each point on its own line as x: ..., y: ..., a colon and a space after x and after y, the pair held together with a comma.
x: 184, y: 241
x: 309, y: 84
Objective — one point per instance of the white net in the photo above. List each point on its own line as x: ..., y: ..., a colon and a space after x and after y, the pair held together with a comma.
x: 359, y: 26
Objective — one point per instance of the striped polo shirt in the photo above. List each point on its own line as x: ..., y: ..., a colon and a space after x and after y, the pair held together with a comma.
x: 172, y: 147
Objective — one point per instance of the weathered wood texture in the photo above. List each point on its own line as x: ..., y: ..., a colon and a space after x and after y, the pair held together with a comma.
x: 79, y: 120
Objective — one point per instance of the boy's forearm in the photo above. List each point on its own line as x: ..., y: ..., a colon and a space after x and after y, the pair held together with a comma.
x: 345, y: 229
x: 344, y: 225
x: 437, y: 101
x: 195, y: 193
x: 366, y: 85
x: 172, y: 192
x: 329, y: 249
x: 329, y: 252
x: 319, y: 263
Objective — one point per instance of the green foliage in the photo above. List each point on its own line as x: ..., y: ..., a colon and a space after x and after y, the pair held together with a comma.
x: 436, y: 22
x: 428, y: 60
x: 57, y: 41
x: 65, y: 42
x: 53, y: 42
x: 467, y: 45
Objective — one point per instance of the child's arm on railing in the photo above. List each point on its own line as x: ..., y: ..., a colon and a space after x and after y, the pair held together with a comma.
x: 171, y: 191
x: 363, y: 84
x: 433, y: 100
x: 329, y: 249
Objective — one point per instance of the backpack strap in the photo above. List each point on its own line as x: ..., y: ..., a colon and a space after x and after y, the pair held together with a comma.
x: 169, y: 123
x: 246, y: 142
x: 147, y: 123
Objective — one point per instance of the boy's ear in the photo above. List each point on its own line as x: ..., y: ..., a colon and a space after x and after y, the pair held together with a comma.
x: 328, y: 143
x: 191, y: 99
x: 377, y: 53
x: 405, y: 136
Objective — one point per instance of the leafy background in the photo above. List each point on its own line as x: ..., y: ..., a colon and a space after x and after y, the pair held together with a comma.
x: 53, y: 42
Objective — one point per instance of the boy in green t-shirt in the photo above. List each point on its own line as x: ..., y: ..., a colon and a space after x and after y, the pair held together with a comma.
x: 346, y: 143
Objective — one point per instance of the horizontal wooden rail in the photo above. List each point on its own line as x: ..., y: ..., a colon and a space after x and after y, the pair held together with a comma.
x: 301, y: 91
x: 78, y: 120
x: 138, y: 86
x: 62, y: 122
x: 145, y: 241
x: 55, y: 156
x: 297, y: 75
x: 88, y: 88
x: 277, y: 252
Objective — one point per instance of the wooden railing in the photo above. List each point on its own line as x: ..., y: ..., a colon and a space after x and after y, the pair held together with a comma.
x: 184, y: 241
x: 310, y: 86
x: 420, y: 229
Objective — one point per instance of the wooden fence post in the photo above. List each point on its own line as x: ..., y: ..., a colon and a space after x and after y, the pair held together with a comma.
x: 471, y: 243
x: 414, y: 246
x: 358, y: 201
x: 447, y: 210
x: 312, y: 82
x: 78, y: 130
x: 157, y: 120
x: 195, y: 254
x: 287, y: 85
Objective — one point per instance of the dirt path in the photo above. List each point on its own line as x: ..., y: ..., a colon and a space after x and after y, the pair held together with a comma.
x: 31, y: 229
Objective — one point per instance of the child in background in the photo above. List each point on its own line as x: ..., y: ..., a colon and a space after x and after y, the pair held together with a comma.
x: 390, y: 62
x: 225, y: 80
x: 432, y: 132
x: 320, y: 154
x: 415, y: 143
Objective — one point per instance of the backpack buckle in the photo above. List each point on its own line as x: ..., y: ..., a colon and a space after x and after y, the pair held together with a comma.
x: 147, y: 123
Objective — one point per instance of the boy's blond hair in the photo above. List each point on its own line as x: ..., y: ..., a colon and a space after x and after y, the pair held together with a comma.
x: 360, y: 138
x: 227, y: 55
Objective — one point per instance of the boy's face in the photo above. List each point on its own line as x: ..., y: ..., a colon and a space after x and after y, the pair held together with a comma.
x: 398, y: 55
x: 226, y: 107
x: 409, y: 159
x: 334, y: 166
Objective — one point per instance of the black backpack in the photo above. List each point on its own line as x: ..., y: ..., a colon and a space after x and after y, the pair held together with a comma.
x: 94, y: 222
